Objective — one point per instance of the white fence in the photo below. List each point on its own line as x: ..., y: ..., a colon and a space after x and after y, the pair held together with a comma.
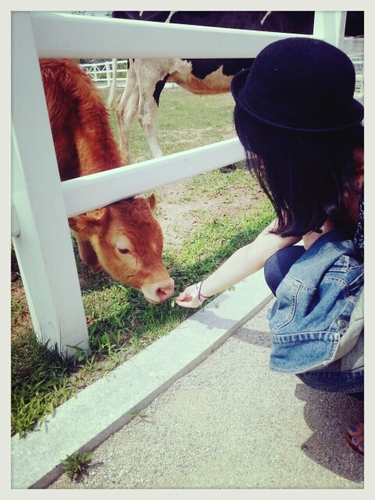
x: 41, y: 203
x: 102, y: 73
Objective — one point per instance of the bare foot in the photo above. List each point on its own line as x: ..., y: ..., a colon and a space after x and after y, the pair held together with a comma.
x: 356, y: 438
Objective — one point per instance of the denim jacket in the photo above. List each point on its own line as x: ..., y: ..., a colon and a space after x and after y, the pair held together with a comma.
x: 314, y: 304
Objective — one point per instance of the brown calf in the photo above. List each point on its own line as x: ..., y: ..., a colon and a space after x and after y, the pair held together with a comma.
x: 122, y: 238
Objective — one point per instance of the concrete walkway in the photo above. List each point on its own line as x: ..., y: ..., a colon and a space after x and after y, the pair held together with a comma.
x: 214, y: 415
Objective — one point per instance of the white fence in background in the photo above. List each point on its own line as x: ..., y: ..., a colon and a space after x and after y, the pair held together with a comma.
x: 41, y: 203
x: 354, y: 47
x: 102, y: 73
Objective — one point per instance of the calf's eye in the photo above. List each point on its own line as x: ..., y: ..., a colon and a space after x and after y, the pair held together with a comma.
x: 123, y: 250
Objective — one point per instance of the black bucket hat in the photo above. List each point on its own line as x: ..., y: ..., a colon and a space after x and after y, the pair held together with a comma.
x: 300, y: 84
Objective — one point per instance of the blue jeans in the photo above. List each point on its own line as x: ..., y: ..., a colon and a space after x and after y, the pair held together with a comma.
x: 328, y: 379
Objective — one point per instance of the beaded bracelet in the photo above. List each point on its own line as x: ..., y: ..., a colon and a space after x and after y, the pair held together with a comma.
x: 195, y: 294
x: 198, y: 293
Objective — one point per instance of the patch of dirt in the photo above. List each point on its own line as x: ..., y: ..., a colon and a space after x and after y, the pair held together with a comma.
x: 178, y: 215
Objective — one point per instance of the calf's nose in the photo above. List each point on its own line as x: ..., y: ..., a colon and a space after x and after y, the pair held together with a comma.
x: 165, y: 291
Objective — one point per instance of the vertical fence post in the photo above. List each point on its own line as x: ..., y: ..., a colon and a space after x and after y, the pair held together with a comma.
x: 108, y: 73
x: 43, y: 245
x: 330, y: 27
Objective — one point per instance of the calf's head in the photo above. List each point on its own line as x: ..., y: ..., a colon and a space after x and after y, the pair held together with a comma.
x: 128, y: 243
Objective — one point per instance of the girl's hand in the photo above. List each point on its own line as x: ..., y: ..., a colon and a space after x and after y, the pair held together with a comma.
x: 189, y: 298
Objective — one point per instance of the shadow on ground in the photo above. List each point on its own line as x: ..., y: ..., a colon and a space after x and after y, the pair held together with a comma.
x: 327, y: 445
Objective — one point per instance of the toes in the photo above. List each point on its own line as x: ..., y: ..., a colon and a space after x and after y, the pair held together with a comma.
x: 355, y: 437
x: 357, y: 441
x: 356, y: 430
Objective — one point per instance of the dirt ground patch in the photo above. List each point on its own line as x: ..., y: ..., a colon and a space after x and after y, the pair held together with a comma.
x: 178, y: 212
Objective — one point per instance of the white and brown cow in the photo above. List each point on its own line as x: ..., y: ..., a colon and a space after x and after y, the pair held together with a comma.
x: 146, y: 78
x: 122, y: 238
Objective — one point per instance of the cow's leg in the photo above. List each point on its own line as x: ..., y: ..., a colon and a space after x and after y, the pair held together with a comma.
x: 126, y: 112
x: 151, y: 79
x: 147, y: 116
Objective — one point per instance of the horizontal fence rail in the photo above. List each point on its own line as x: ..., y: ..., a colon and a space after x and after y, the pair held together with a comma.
x: 41, y: 203
x: 131, y: 180
x: 64, y: 35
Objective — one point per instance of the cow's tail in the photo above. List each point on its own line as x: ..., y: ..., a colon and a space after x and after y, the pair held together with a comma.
x: 111, y: 100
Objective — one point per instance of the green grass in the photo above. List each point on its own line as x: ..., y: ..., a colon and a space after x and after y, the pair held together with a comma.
x: 119, y: 320
x: 75, y: 465
x: 185, y: 121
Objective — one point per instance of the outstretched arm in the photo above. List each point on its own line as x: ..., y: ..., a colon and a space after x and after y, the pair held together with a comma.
x: 244, y: 262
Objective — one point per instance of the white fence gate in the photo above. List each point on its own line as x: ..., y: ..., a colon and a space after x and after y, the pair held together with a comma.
x: 41, y: 203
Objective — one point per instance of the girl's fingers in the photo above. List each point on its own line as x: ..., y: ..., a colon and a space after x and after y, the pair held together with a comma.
x: 188, y: 302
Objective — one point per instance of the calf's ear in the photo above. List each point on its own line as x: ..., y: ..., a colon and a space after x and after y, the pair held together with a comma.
x: 87, y: 225
x: 152, y: 201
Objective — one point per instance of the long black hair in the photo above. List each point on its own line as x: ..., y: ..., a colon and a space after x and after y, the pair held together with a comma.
x: 303, y: 174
